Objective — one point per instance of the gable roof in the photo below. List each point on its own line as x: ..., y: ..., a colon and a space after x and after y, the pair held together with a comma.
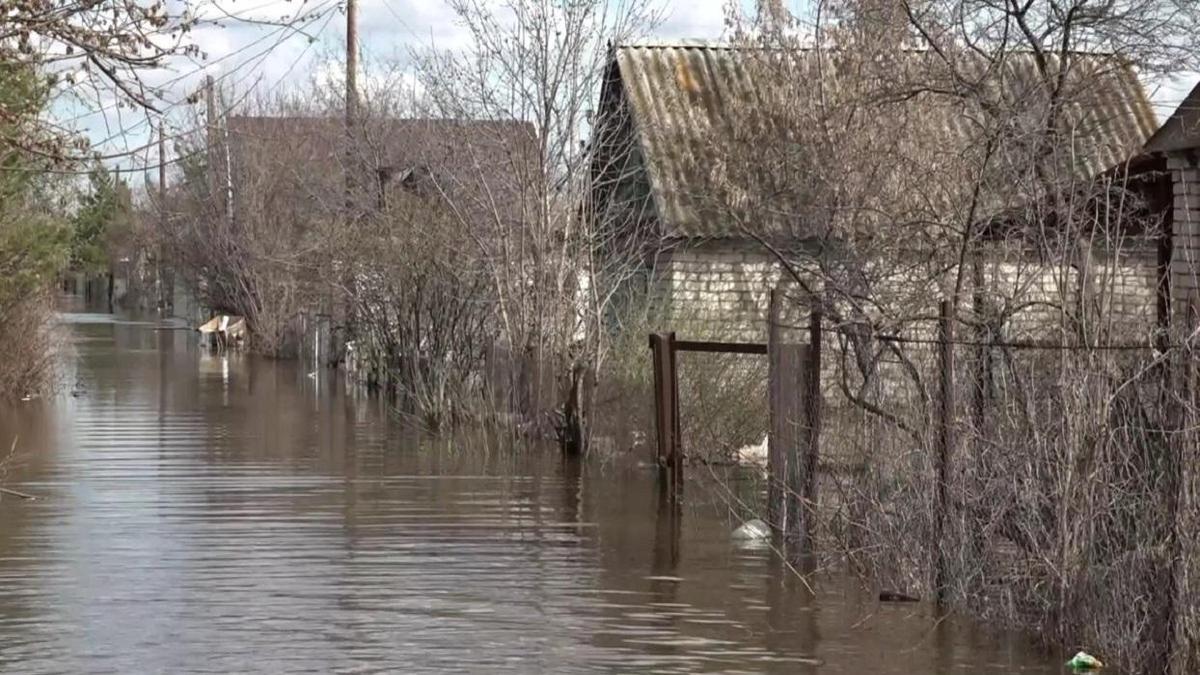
x: 679, y: 96
x: 1182, y: 130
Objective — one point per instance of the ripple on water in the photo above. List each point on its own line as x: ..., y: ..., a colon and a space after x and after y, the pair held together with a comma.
x: 237, y: 516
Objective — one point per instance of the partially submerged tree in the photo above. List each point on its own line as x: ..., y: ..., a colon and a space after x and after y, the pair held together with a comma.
x: 252, y: 220
x: 554, y: 269
x: 75, y: 59
x: 33, y: 243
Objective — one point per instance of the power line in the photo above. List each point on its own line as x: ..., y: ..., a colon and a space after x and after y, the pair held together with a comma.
x: 282, y: 34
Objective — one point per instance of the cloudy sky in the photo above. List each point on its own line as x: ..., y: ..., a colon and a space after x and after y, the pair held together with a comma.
x: 246, y: 56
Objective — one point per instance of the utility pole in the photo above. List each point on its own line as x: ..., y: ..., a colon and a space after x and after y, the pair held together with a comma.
x: 351, y: 101
x: 162, y: 213
x: 210, y: 131
x: 336, y: 309
x: 217, y: 136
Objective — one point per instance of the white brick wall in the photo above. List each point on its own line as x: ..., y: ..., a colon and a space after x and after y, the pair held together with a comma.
x: 717, y: 290
x: 1185, y: 260
x: 720, y: 289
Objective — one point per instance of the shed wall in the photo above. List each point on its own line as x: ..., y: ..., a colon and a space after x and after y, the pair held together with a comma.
x: 1185, y: 228
x: 720, y: 289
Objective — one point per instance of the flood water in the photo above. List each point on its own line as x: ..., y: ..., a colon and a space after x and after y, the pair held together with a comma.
x: 206, y: 514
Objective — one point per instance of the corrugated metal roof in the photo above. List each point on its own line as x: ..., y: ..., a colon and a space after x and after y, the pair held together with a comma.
x: 683, y: 97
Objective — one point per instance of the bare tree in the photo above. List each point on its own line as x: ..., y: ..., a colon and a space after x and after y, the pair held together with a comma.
x: 555, y: 272
x: 891, y: 154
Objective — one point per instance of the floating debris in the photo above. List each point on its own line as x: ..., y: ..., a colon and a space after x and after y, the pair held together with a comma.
x: 895, y: 596
x: 1084, y: 661
x: 753, y: 455
x: 752, y: 530
x: 17, y: 493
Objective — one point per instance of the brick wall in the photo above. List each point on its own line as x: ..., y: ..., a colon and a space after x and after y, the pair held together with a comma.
x: 719, y: 289
x: 1122, y: 305
x: 1185, y: 260
x: 716, y: 290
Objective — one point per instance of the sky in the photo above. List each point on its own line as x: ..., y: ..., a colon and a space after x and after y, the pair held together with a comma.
x: 244, y: 56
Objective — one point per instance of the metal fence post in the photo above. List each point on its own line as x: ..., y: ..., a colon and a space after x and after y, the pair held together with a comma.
x: 776, y: 457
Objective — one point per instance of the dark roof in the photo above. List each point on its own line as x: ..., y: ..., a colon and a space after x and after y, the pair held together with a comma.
x: 1182, y: 130
x: 679, y: 96
x: 475, y: 164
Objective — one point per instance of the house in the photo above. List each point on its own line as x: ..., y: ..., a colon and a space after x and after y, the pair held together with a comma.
x: 290, y: 191
x: 1175, y: 147
x: 303, y: 160
x: 689, y: 138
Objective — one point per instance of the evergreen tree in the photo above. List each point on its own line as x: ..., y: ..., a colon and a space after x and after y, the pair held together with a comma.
x: 104, y: 208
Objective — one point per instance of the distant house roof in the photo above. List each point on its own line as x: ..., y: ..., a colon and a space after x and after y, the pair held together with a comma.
x: 473, y: 162
x: 1182, y: 130
x: 679, y: 96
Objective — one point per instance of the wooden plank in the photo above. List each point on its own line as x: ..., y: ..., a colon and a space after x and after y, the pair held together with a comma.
x: 792, y: 428
x: 666, y: 409
x: 676, y: 449
x: 791, y: 462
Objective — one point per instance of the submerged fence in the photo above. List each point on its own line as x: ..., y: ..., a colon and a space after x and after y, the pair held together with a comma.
x: 793, y: 383
x: 1042, y: 484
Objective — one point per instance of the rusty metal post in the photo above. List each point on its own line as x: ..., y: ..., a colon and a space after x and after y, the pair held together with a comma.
x: 945, y: 446
x: 666, y: 412
x: 776, y: 462
x: 676, y: 456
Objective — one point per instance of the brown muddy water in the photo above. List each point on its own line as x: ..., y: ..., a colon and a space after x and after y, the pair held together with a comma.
x: 205, y: 514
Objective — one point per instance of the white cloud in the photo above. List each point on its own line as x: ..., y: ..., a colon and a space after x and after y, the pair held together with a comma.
x: 700, y: 19
x: 1167, y: 93
x: 243, y: 55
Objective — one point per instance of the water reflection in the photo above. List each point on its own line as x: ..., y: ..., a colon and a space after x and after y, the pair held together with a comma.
x: 227, y: 513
